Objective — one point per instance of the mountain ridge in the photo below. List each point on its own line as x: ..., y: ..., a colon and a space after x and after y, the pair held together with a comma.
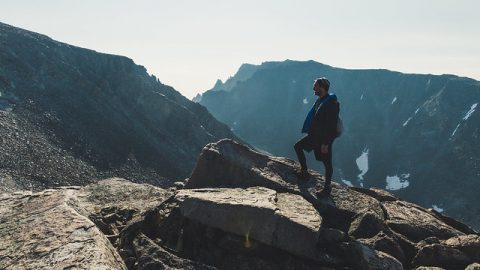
x: 100, y: 115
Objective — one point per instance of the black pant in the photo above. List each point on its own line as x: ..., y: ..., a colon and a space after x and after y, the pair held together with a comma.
x: 307, y: 144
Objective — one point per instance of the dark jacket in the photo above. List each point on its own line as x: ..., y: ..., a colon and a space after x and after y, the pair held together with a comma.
x: 324, y: 125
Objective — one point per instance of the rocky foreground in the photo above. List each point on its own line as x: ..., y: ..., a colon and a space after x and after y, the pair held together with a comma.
x: 240, y: 209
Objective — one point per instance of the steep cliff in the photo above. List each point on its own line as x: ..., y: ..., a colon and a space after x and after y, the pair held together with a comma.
x: 70, y: 115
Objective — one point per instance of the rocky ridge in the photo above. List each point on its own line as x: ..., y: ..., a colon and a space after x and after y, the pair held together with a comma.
x: 240, y: 209
x: 70, y: 116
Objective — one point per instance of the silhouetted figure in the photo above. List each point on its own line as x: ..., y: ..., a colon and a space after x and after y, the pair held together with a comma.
x: 321, y: 128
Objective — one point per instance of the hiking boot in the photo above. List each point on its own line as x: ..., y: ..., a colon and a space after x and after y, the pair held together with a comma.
x: 303, y: 174
x: 327, y: 189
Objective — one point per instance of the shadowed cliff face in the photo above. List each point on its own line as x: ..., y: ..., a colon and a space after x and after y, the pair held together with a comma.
x: 69, y: 115
x: 414, y: 135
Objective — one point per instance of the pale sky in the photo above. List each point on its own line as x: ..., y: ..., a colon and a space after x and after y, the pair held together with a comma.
x: 191, y: 44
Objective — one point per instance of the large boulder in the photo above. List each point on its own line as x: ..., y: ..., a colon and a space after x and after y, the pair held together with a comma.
x: 473, y: 266
x: 41, y: 231
x: 455, y: 253
x: 469, y: 244
x: 416, y: 223
x: 441, y: 256
x: 387, y: 244
x: 71, y: 226
x: 118, y: 194
x: 282, y: 220
x: 227, y: 163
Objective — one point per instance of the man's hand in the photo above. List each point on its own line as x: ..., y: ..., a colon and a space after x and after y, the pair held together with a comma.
x: 324, y: 148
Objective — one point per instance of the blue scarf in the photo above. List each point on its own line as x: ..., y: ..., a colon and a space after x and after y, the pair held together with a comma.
x: 311, y: 114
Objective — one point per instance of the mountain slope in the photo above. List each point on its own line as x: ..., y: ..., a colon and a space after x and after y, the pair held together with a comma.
x: 416, y: 135
x: 70, y: 115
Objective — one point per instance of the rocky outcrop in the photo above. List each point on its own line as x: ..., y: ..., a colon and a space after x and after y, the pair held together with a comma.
x: 70, y: 116
x: 59, y: 228
x: 240, y: 209
x: 40, y: 231
x: 368, y: 217
x: 244, y: 167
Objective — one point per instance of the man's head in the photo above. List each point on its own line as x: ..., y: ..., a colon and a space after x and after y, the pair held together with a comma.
x: 321, y: 86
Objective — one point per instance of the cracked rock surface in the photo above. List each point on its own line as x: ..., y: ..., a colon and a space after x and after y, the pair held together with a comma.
x: 240, y: 209
x: 53, y: 229
x: 285, y: 221
x: 42, y: 231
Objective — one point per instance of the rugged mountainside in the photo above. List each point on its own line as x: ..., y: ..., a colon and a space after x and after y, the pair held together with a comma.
x: 69, y: 115
x: 239, y: 210
x: 415, y: 135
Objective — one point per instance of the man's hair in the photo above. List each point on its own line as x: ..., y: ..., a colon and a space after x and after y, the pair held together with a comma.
x: 324, y: 82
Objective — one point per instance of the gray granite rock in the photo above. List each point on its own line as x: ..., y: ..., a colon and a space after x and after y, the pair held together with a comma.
x: 415, y: 222
x: 473, y: 266
x: 282, y: 220
x: 71, y: 226
x: 231, y: 164
x: 41, y: 231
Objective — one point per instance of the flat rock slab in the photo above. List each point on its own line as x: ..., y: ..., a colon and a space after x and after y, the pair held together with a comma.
x: 119, y: 193
x: 285, y: 221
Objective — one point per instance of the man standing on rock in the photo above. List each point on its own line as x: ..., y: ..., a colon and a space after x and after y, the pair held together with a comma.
x: 321, y: 128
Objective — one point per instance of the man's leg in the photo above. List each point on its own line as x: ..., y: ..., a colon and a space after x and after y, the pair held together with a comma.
x: 327, y: 162
x: 299, y: 147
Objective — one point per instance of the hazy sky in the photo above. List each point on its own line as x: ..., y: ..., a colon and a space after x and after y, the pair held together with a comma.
x: 190, y: 44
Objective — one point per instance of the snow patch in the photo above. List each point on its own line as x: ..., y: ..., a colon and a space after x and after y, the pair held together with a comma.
x: 348, y: 183
x: 469, y: 113
x: 436, y: 208
x: 206, y: 131
x: 362, y: 163
x: 455, y: 131
x: 305, y: 101
x: 408, y: 120
x: 397, y: 182
x: 394, y: 99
